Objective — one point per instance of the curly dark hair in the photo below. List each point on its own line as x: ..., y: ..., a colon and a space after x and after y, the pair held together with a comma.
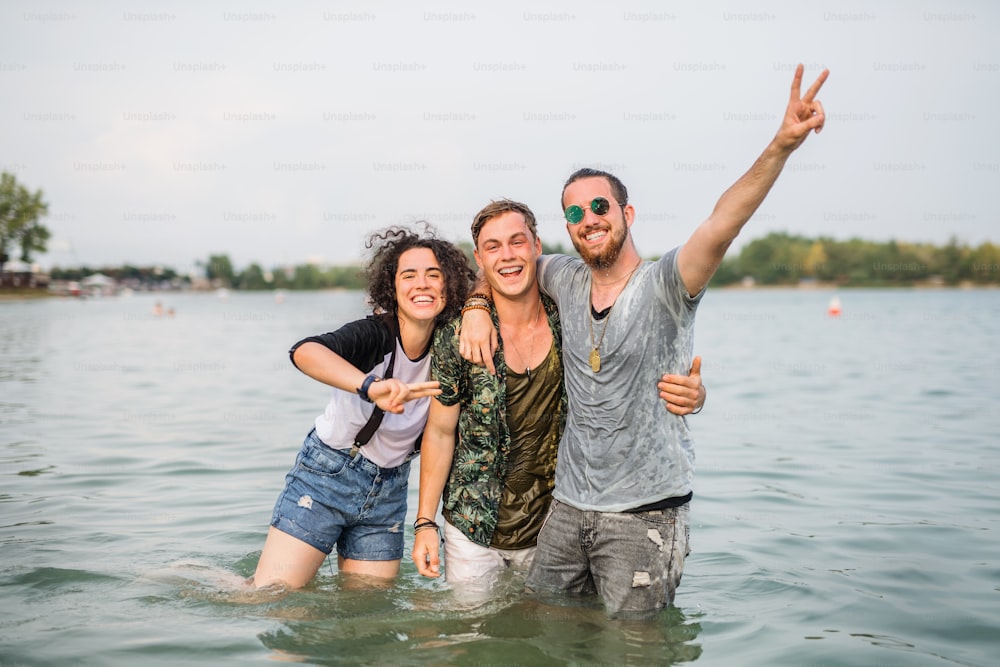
x: 389, y: 244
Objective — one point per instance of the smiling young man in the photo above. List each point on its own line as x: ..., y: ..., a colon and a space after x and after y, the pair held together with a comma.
x: 619, y: 521
x: 491, y: 439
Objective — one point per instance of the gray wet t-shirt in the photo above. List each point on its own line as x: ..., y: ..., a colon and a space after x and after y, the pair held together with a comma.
x: 621, y: 448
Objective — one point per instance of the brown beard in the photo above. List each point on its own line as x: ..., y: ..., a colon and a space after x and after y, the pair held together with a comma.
x: 606, y: 259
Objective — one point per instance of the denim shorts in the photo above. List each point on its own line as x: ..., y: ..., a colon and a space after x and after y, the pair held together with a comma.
x: 332, y: 499
x: 633, y: 561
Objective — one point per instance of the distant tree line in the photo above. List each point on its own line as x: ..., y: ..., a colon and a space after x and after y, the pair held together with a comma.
x: 785, y: 259
x: 219, y: 270
x: 135, y: 276
x: 776, y: 259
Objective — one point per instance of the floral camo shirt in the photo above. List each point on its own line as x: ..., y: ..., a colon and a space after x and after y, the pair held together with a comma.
x: 475, y: 484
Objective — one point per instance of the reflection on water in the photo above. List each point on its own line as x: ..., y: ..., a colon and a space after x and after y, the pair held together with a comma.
x: 844, y: 512
x: 519, y: 632
x: 335, y: 621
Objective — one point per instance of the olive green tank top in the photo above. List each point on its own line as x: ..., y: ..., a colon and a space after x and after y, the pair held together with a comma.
x: 533, y: 403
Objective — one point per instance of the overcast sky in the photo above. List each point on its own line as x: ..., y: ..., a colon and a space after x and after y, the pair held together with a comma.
x: 281, y: 133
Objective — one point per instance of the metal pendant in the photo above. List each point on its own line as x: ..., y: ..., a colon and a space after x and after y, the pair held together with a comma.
x: 595, y: 360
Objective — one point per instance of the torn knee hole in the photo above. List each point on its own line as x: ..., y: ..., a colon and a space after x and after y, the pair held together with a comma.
x: 640, y: 579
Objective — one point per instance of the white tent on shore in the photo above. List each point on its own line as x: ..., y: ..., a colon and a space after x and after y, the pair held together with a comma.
x: 98, y: 284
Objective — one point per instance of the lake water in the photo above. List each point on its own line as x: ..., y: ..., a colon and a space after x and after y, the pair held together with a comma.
x: 846, y: 508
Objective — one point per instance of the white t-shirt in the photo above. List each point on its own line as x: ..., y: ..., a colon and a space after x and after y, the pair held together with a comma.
x: 366, y: 345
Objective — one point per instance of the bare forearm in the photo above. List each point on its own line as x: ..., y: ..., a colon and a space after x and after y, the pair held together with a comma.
x: 435, y: 464
x: 436, y: 453
x: 701, y: 255
x: 744, y: 197
x: 803, y: 115
x: 328, y: 367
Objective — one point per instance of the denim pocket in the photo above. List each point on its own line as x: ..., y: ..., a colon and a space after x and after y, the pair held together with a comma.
x: 664, y: 517
x: 319, y: 459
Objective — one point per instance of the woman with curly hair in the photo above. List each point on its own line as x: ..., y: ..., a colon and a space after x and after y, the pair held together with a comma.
x: 348, y: 487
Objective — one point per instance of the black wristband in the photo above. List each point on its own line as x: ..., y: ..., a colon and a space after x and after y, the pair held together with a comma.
x: 365, y: 385
x: 417, y: 526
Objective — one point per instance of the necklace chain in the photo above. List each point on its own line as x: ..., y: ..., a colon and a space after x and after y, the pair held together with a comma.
x: 595, y: 347
x: 531, y: 344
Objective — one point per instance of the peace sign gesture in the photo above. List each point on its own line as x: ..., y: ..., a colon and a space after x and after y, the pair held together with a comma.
x: 804, y: 113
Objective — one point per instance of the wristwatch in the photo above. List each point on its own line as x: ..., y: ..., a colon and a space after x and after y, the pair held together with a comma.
x: 365, y: 385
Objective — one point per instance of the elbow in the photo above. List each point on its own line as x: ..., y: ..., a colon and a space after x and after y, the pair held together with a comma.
x: 294, y: 355
x: 304, y: 353
x: 438, y: 439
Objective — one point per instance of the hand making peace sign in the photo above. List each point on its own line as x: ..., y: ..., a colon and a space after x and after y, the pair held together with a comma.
x: 804, y: 114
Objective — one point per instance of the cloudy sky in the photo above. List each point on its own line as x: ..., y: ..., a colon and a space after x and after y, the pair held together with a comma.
x: 284, y: 132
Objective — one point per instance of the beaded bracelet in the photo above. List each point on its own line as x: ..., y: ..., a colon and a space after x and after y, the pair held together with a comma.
x: 474, y: 306
x: 480, y: 295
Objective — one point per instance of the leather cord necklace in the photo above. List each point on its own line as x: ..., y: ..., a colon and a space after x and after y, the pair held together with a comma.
x: 531, y: 345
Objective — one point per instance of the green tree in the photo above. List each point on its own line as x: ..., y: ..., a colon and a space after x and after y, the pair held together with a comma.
x: 253, y: 278
x: 815, y: 260
x: 469, y: 250
x: 20, y: 211
x: 220, y: 268
x: 986, y: 263
x: 728, y: 273
x: 778, y: 258
x: 345, y: 277
x: 951, y: 260
x: 307, y: 276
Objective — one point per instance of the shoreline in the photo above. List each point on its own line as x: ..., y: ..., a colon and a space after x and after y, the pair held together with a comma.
x: 28, y: 294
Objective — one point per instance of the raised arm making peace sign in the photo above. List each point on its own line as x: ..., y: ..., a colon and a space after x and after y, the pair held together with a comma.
x: 700, y: 256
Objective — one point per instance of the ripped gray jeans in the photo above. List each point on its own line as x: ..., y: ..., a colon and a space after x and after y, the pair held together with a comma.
x: 633, y: 561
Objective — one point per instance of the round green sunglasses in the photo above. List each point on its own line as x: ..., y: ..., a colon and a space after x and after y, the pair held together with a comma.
x: 599, y: 205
